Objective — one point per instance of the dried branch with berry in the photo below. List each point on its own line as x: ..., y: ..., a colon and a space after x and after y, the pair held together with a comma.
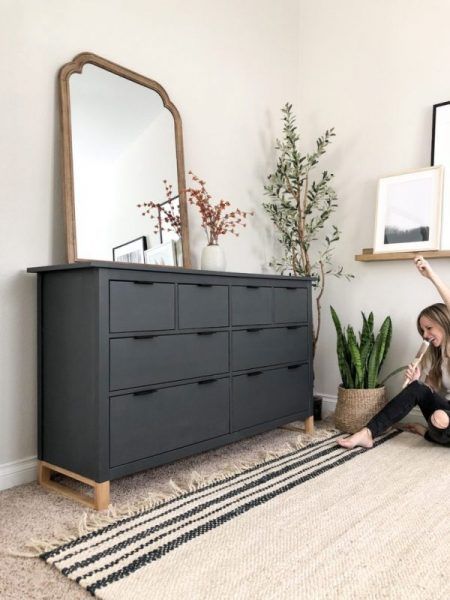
x: 166, y: 214
x: 215, y: 220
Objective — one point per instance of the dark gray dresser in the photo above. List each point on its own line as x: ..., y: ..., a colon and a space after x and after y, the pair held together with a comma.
x: 139, y: 365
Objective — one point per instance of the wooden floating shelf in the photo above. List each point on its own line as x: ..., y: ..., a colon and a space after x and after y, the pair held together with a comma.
x: 368, y: 255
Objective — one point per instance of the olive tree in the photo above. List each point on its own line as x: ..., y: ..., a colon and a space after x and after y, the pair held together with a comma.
x: 301, y: 208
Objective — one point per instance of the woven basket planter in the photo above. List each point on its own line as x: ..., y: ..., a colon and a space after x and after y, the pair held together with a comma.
x: 356, y: 407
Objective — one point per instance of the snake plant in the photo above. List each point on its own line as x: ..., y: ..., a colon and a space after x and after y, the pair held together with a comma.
x: 361, y: 358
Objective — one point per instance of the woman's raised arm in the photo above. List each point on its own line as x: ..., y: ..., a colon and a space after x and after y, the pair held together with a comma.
x: 425, y: 270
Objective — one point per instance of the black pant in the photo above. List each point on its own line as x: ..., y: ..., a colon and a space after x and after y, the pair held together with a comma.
x: 416, y: 393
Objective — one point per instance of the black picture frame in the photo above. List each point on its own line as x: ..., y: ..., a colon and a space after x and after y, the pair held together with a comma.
x: 434, y: 133
x: 440, y: 155
x: 131, y: 252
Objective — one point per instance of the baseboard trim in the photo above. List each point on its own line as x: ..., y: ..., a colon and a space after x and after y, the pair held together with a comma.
x: 18, y: 472
x: 329, y: 406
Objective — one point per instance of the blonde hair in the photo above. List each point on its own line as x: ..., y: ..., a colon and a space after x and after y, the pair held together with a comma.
x: 439, y: 314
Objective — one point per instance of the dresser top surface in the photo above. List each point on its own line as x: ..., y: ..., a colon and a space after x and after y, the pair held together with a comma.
x: 157, y: 269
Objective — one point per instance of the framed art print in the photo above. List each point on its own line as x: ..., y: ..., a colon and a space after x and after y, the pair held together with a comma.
x: 163, y: 254
x: 440, y: 155
x: 408, y: 215
x: 131, y: 252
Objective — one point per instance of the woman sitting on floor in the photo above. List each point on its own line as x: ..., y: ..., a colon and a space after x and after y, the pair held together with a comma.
x: 433, y: 324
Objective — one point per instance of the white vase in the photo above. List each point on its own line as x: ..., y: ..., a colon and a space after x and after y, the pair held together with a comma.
x: 213, y: 258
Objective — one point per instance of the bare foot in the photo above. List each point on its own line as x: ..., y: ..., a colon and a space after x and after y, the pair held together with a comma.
x: 362, y: 438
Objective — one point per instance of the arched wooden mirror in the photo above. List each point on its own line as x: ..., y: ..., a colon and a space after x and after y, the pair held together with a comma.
x: 122, y: 138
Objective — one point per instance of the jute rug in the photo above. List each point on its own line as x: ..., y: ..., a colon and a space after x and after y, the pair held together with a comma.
x: 317, y: 522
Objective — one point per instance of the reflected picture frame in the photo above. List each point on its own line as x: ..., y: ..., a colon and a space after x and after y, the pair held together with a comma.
x: 131, y: 252
x: 163, y: 255
x: 440, y: 155
x: 408, y: 214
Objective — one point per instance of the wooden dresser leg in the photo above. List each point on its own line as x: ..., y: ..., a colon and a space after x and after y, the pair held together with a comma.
x: 43, y: 473
x: 309, y: 424
x: 100, y: 501
x: 101, y: 495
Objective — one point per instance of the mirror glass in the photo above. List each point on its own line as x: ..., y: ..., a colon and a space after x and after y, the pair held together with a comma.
x: 122, y: 160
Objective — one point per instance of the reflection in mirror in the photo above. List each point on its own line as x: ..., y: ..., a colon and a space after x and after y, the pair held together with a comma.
x: 124, y: 144
x: 166, y: 225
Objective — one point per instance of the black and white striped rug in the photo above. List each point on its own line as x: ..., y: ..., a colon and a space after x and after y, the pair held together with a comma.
x: 177, y: 548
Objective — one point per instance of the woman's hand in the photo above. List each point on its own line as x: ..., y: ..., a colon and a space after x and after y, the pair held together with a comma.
x: 423, y: 267
x: 426, y: 271
x: 412, y: 373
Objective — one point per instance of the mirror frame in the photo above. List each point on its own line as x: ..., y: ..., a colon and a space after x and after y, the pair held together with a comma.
x: 76, y: 66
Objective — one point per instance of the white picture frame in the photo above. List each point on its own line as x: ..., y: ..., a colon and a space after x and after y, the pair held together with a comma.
x: 162, y: 254
x: 408, y: 214
x: 440, y: 155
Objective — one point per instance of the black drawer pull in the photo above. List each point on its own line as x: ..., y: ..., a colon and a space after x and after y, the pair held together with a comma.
x: 293, y: 366
x: 144, y: 392
x: 253, y: 330
x: 143, y: 337
x: 144, y: 282
x: 253, y: 373
x: 292, y: 326
x: 206, y: 332
x: 253, y: 287
x: 204, y: 284
x: 290, y: 288
x: 206, y: 381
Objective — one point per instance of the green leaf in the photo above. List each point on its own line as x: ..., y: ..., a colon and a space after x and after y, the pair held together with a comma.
x: 343, y: 352
x: 356, y: 357
x: 392, y: 373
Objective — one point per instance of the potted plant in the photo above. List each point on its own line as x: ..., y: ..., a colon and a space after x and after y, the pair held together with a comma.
x: 361, y: 395
x: 301, y: 208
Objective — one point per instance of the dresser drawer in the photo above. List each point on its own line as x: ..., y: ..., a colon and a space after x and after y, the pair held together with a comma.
x: 141, y: 306
x: 148, y: 360
x: 290, y: 304
x: 265, y: 347
x: 202, y: 305
x: 151, y: 423
x: 269, y: 395
x: 251, y: 305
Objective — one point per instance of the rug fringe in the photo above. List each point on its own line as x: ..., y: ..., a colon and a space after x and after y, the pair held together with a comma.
x: 90, y: 521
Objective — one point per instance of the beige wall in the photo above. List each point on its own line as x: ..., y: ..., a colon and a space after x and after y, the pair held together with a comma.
x: 228, y: 65
x: 373, y: 70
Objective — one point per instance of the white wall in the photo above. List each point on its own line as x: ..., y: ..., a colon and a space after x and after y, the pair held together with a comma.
x: 373, y: 70
x: 228, y: 65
